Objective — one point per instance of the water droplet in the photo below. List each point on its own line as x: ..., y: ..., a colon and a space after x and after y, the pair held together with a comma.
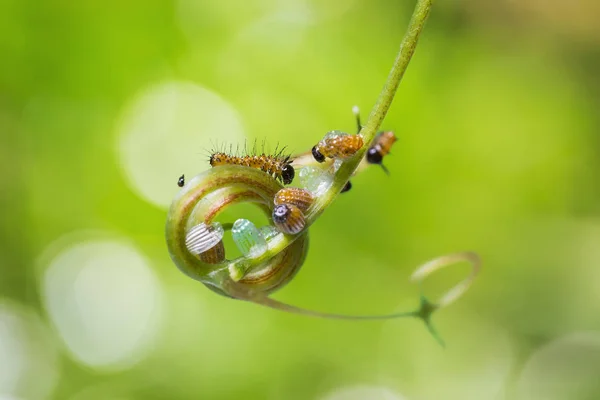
x: 248, y: 238
x: 334, y: 134
x: 268, y: 232
x: 337, y: 164
x: 315, y: 179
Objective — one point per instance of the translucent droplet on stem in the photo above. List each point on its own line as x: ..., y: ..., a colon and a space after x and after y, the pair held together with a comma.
x: 337, y: 164
x: 334, y: 134
x: 315, y: 180
x: 268, y: 232
x: 249, y: 240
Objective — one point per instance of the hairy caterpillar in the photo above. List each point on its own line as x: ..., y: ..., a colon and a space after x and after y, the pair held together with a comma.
x: 277, y: 165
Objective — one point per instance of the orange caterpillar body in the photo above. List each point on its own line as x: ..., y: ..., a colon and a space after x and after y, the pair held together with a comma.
x: 278, y: 166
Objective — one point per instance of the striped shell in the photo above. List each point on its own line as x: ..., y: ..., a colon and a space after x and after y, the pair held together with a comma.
x: 214, y: 255
x: 203, y: 237
x: 288, y: 219
x: 339, y: 145
x: 384, y: 141
x: 300, y: 198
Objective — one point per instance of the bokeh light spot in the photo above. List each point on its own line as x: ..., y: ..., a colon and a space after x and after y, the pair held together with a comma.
x: 168, y: 130
x: 105, y: 302
x: 566, y: 368
x: 28, y: 359
x: 363, y: 393
x: 474, y: 365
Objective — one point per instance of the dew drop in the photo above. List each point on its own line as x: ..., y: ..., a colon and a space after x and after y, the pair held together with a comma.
x: 315, y: 180
x: 334, y: 134
x: 268, y: 232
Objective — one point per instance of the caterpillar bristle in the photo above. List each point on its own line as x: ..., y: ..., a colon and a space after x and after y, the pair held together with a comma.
x: 254, y: 147
x: 277, y: 165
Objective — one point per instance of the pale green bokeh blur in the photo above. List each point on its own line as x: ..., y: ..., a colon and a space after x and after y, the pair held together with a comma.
x: 498, y: 152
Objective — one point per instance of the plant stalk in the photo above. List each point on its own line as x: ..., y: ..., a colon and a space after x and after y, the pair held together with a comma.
x: 376, y: 117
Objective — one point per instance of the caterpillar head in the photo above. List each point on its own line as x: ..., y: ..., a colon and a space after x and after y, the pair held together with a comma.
x: 287, y: 174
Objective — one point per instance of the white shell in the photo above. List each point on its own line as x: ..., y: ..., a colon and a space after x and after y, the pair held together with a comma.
x: 203, y: 237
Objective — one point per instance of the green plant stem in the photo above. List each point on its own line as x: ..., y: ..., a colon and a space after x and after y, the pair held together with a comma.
x: 379, y: 111
x: 376, y: 117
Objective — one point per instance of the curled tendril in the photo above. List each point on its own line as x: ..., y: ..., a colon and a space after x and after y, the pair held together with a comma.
x: 201, y: 201
x: 444, y: 261
x: 254, y: 277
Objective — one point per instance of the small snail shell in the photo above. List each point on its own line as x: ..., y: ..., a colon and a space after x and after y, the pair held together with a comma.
x: 203, y: 237
x: 288, y: 219
x: 337, y: 144
x: 300, y: 198
x: 214, y: 255
x: 381, y: 147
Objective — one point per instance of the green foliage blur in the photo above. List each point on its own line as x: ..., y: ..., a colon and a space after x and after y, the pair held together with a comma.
x: 498, y: 152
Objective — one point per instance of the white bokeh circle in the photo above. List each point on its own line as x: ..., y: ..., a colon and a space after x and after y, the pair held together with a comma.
x: 474, y: 365
x: 104, y: 300
x: 566, y: 368
x: 28, y: 357
x: 167, y: 130
x: 363, y: 392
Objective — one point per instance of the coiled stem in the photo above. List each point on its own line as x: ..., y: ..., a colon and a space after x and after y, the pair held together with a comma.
x: 201, y: 201
x: 253, y: 278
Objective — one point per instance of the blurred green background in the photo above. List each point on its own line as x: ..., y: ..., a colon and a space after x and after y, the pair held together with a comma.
x: 104, y: 104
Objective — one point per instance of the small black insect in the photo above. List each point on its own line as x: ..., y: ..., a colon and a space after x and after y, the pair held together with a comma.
x: 381, y: 145
x: 380, y: 148
x: 346, y: 187
x: 181, y: 181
